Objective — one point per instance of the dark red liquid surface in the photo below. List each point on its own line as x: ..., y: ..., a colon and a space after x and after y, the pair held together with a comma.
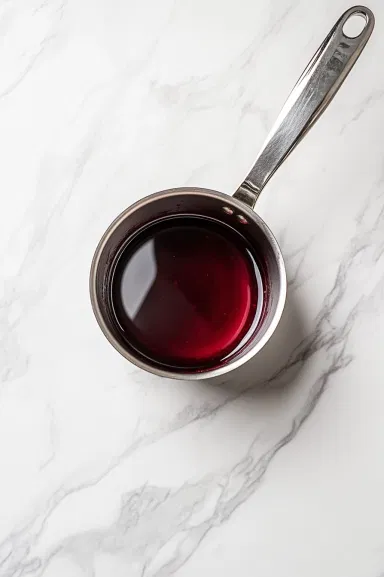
x: 186, y: 292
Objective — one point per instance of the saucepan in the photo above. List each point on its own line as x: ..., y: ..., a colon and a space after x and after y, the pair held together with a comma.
x: 161, y: 235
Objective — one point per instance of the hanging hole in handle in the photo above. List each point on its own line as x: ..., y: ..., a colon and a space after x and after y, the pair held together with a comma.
x: 355, y: 24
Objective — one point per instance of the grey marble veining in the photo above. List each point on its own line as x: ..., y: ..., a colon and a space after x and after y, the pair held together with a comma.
x: 106, y: 470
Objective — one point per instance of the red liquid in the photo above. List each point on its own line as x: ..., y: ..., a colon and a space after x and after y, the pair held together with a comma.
x: 186, y: 292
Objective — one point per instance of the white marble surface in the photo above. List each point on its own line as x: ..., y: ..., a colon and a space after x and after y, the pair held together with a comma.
x: 107, y: 471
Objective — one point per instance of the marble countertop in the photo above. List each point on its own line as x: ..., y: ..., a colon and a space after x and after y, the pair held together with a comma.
x: 107, y: 471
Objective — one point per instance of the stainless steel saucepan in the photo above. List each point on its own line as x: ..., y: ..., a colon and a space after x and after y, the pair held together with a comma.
x: 313, y: 92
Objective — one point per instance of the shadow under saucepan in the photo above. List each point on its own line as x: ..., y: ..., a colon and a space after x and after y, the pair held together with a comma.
x: 276, y: 365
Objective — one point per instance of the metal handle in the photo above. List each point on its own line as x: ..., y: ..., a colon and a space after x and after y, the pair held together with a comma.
x: 313, y: 92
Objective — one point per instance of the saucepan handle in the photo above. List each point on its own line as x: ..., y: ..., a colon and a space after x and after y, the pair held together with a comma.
x: 313, y: 92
